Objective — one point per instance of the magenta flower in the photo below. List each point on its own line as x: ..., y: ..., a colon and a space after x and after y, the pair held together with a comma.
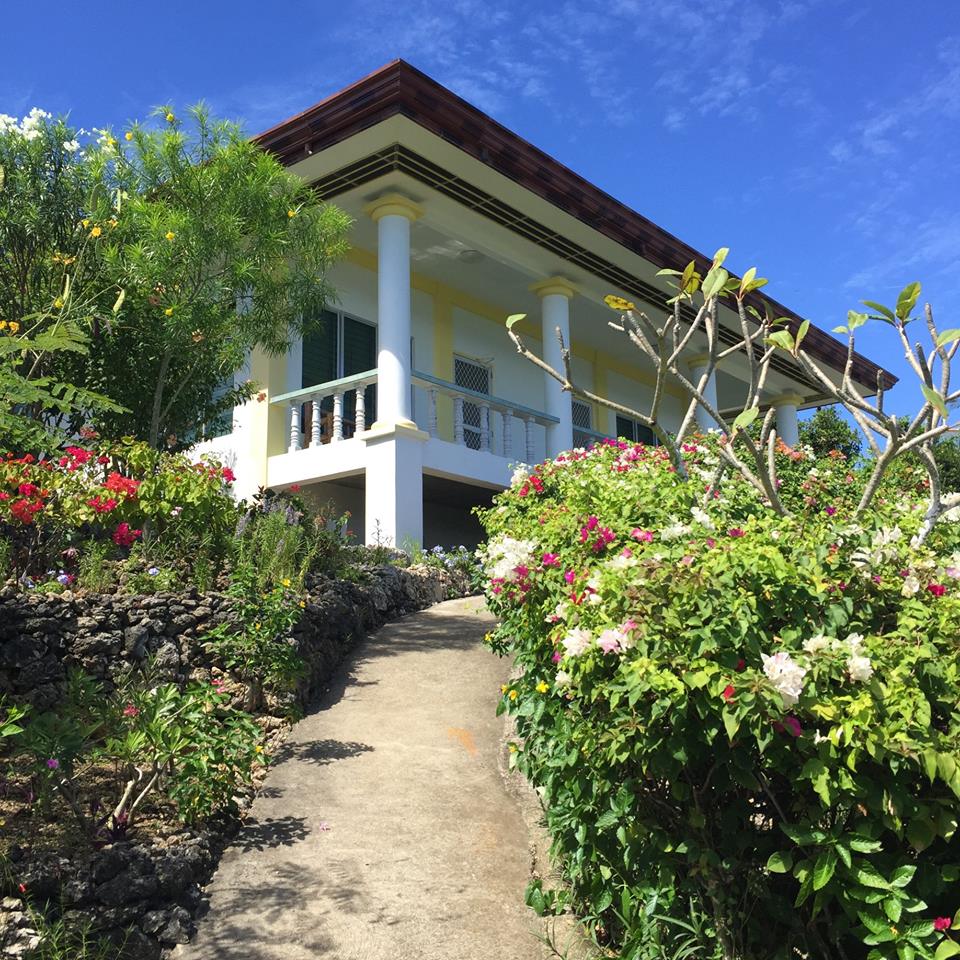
x: 735, y: 532
x: 551, y: 560
x: 792, y: 724
x: 942, y: 923
x: 53, y: 764
x: 937, y: 589
x: 830, y: 511
x: 557, y: 656
x: 642, y: 535
x: 569, y: 576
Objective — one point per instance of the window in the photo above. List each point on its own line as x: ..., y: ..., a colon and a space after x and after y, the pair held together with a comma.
x: 637, y: 432
x: 476, y: 376
x: 582, y: 423
x: 340, y: 347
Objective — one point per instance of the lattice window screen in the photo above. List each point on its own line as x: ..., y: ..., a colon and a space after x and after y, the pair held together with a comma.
x: 472, y: 375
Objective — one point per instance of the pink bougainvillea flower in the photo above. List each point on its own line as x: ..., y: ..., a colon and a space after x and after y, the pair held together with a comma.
x: 942, y: 923
x: 130, y: 710
x: 830, y: 511
x: 735, y: 532
x: 792, y: 724
x: 228, y: 475
x: 123, y: 536
x: 642, y: 535
x: 569, y: 576
x: 557, y: 656
x: 937, y: 589
x: 710, y: 542
x: 551, y: 560
x: 729, y: 692
x: 741, y: 665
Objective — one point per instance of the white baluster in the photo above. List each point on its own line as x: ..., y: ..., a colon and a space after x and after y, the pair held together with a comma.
x: 508, y: 432
x: 316, y: 424
x: 432, y: 409
x: 458, y: 420
x: 484, y: 426
x: 528, y: 435
x: 338, y: 416
x: 294, y: 427
x: 361, y: 414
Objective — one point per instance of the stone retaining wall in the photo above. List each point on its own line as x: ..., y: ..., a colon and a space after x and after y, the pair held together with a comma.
x: 147, y: 891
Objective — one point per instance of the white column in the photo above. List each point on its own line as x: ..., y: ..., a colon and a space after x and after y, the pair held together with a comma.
x: 787, y: 427
x: 555, y: 296
x: 393, y: 507
x: 698, y: 367
x: 393, y: 214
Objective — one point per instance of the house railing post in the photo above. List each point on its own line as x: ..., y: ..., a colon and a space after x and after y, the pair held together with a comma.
x: 458, y: 420
x: 508, y: 433
x: 337, y: 417
x: 316, y: 425
x: 485, y: 426
x: 360, y: 414
x: 294, y: 427
x: 528, y: 436
x: 432, y: 413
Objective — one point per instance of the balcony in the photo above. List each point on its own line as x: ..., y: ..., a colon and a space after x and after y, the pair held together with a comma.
x: 472, y: 436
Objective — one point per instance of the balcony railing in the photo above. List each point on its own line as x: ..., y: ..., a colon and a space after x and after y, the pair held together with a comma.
x: 493, y: 433
x: 585, y: 437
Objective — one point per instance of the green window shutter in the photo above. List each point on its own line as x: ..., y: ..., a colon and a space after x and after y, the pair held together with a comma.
x: 320, y: 352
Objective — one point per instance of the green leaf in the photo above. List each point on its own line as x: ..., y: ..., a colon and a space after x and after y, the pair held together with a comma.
x: 949, y: 948
x: 885, y: 312
x: 903, y: 875
x: 731, y: 724
x: 801, y: 333
x: 746, y: 417
x: 782, y: 339
x: 823, y: 869
x: 747, y: 279
x: 935, y: 400
x: 514, y: 318
x: 118, y: 303
x: 907, y: 300
x: 607, y: 819
x: 780, y: 862
x: 948, y: 336
x: 720, y: 256
x: 667, y: 272
x: 714, y: 282
x: 855, y: 319
x: 921, y: 834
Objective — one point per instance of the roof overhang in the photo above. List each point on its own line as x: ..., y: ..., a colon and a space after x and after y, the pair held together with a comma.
x: 373, y: 126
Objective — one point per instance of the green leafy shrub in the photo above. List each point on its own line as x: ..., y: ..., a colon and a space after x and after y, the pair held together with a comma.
x: 257, y: 648
x: 102, y: 501
x: 104, y: 755
x: 752, y: 711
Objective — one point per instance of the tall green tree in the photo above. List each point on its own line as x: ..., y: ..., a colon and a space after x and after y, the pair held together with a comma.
x: 51, y: 284
x: 217, y: 250
x: 826, y: 430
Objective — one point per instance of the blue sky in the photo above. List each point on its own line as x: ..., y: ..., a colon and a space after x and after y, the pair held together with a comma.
x: 818, y: 139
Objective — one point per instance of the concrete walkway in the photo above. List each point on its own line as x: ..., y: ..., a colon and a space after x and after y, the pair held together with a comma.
x: 384, y: 829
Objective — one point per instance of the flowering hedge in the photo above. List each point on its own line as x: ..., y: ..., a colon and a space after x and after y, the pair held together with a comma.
x: 49, y: 506
x: 755, y: 713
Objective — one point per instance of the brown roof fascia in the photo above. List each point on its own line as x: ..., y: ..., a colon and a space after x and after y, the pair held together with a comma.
x: 400, y: 89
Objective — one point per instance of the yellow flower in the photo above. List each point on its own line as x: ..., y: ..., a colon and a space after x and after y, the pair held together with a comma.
x: 170, y: 234
x: 258, y: 749
x: 168, y: 312
x: 95, y: 232
x: 170, y: 118
x: 303, y: 603
x: 503, y: 688
x: 543, y: 687
x: 128, y: 135
x: 112, y: 222
x: 13, y: 326
x: 58, y: 303
x: 256, y: 626
x: 291, y: 213
x: 512, y: 747
x: 286, y: 581
x: 512, y: 694
x: 85, y: 224
x: 3, y: 324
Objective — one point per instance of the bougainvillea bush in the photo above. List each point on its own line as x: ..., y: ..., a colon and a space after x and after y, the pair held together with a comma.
x: 753, y: 713
x: 54, y: 507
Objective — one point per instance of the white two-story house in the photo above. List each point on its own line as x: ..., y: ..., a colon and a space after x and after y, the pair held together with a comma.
x: 411, y: 404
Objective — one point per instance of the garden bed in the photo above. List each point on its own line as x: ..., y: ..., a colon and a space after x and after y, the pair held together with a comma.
x: 143, y: 890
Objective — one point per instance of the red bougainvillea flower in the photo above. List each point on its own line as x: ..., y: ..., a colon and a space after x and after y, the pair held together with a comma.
x: 228, y: 475
x: 116, y: 483
x: 102, y: 506
x: 937, y: 589
x: 22, y: 887
x: 792, y: 724
x: 942, y: 923
x: 28, y: 490
x: 735, y: 532
x: 123, y: 536
x: 24, y: 510
x: 741, y: 665
x: 729, y: 692
x: 79, y: 454
x: 130, y: 710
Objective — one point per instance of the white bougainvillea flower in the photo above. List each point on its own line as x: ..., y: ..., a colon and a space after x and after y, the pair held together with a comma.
x: 860, y: 668
x: 505, y: 554
x: 817, y: 644
x: 785, y: 674
x: 577, y: 642
x: 674, y: 530
x: 702, y: 517
x: 911, y: 586
x: 611, y: 641
x: 563, y: 678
